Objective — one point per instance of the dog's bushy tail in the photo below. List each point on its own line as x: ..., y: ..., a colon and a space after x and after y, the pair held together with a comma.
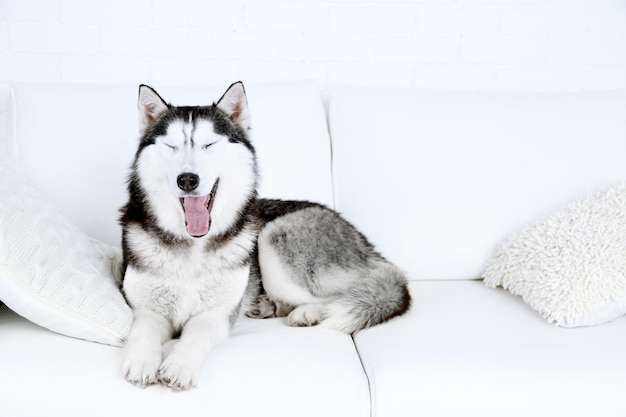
x: 381, y: 295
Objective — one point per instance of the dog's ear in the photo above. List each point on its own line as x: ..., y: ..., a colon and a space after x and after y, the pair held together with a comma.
x: 150, y: 105
x: 235, y: 104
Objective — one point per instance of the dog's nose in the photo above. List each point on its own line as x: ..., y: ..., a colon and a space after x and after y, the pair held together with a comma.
x: 187, y: 181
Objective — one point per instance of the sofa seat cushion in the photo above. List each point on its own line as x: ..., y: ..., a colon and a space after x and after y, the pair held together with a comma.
x: 264, y: 369
x: 465, y: 349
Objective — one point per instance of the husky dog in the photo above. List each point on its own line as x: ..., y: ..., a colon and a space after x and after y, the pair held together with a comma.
x: 200, y: 248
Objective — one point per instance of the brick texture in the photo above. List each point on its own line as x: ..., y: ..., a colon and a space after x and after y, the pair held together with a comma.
x: 489, y: 45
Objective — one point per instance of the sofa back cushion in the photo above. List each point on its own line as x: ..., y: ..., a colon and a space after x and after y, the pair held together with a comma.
x: 77, y: 142
x: 437, y: 179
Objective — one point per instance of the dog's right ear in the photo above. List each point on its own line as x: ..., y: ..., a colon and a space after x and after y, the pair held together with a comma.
x: 150, y: 105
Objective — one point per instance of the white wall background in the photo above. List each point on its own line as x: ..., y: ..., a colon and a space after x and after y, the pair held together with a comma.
x: 462, y: 44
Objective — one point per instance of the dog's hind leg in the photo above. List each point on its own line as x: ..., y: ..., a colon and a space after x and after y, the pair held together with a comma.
x: 317, y: 261
x: 306, y: 315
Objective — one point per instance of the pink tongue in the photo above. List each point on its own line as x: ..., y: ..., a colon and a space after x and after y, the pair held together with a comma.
x: 196, y: 215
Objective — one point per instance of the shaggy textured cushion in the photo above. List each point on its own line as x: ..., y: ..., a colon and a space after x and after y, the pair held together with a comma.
x: 570, y: 266
x: 53, y: 274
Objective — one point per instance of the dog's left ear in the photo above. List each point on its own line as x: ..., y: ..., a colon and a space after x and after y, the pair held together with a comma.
x: 235, y: 104
x: 150, y: 105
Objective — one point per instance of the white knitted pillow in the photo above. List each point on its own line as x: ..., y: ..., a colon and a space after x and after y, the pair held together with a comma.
x: 53, y: 274
x: 570, y: 266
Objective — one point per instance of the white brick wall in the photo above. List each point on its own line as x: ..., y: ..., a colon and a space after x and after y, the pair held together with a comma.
x: 461, y: 44
x: 52, y: 38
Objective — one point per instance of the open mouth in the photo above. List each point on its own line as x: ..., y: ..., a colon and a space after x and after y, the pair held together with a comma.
x: 198, y: 212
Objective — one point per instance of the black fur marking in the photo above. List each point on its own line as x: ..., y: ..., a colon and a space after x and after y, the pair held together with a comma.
x: 270, y: 209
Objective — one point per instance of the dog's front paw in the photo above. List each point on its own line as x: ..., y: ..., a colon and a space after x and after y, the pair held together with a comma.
x: 177, y: 374
x: 141, y: 371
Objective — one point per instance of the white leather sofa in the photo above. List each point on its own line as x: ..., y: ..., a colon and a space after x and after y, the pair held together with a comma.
x: 437, y: 180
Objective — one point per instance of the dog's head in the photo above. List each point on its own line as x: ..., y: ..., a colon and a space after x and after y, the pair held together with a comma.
x: 196, y: 165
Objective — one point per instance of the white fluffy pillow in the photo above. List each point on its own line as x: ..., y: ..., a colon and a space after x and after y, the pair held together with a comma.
x: 53, y: 274
x: 570, y: 266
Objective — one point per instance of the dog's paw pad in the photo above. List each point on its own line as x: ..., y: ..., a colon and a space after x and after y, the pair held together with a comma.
x: 305, y: 316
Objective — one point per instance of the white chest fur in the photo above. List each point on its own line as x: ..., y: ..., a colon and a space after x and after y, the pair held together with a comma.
x: 178, y: 282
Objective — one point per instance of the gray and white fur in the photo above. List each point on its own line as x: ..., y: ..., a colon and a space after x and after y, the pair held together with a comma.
x: 314, y: 260
x: 200, y: 248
